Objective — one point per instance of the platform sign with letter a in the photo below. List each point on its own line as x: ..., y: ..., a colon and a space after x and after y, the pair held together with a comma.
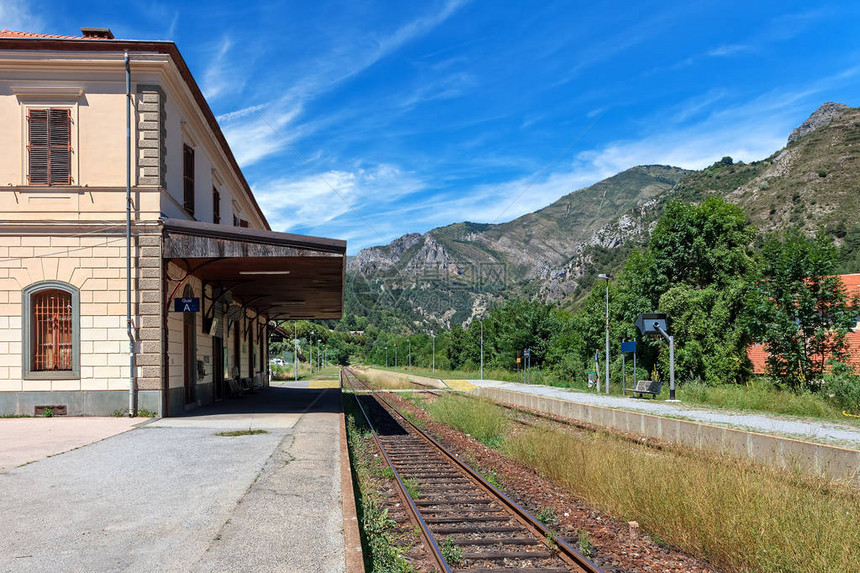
x: 186, y: 304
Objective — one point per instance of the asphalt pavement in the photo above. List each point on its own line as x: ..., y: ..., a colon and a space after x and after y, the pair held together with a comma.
x: 173, y: 495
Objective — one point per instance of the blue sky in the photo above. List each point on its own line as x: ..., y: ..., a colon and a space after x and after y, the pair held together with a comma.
x: 366, y: 120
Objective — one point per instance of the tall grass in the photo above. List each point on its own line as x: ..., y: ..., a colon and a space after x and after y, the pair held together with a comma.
x: 481, y: 419
x: 737, y: 515
x: 761, y: 396
x: 384, y: 380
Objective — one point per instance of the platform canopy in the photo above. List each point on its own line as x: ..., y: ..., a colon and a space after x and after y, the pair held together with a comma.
x: 281, y: 275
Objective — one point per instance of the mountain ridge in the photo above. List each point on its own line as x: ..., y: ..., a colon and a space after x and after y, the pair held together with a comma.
x: 450, y: 273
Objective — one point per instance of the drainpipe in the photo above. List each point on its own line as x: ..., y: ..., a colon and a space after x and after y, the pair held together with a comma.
x: 129, y: 323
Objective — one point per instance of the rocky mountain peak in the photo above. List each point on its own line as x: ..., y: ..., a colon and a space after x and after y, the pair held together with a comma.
x: 821, y: 117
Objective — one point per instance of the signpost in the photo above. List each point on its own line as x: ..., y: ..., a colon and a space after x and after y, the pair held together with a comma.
x: 655, y: 323
x: 527, y: 366
x: 627, y: 347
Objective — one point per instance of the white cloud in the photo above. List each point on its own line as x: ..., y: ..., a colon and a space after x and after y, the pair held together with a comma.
x: 251, y: 137
x: 361, y: 198
x: 16, y: 15
x: 222, y: 75
x: 240, y: 113
x: 729, y: 50
x: 261, y: 135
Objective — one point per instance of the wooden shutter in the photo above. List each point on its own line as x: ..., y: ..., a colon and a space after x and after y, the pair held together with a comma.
x: 52, y: 330
x: 50, y: 147
x: 188, y: 178
x: 38, y: 147
x: 60, y: 141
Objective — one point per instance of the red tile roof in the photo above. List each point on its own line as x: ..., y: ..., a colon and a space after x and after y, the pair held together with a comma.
x: 757, y: 353
x: 16, y: 34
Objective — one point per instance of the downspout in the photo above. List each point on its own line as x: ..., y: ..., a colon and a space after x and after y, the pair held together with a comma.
x: 132, y: 410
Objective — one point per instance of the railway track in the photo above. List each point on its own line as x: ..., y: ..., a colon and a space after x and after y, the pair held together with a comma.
x: 467, y: 524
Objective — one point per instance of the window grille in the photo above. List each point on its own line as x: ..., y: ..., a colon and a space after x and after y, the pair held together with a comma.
x: 52, y: 330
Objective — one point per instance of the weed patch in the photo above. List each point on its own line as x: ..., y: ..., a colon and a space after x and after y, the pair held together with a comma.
x: 453, y: 555
x: 248, y: 432
x: 140, y: 413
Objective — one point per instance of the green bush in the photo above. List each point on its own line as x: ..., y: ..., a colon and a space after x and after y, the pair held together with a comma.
x: 843, y: 386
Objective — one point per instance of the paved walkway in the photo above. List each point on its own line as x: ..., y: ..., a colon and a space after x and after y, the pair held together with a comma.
x: 26, y: 440
x: 174, y: 496
x: 844, y: 435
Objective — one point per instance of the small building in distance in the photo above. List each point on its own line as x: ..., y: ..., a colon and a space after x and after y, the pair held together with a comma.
x: 757, y: 353
x: 197, y: 236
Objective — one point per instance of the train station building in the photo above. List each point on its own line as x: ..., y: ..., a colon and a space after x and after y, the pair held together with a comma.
x: 207, y: 276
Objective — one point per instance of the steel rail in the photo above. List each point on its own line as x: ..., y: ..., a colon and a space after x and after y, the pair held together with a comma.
x: 435, y: 550
x: 567, y: 553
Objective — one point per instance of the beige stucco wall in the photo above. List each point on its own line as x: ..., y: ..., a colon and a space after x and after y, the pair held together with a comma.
x: 92, y: 86
x: 75, y: 234
x: 94, y: 265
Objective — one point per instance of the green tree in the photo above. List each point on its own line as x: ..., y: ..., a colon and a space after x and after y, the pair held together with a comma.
x: 800, y: 309
x: 695, y: 269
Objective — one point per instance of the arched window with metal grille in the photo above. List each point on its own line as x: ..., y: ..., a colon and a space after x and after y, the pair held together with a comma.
x: 51, y: 331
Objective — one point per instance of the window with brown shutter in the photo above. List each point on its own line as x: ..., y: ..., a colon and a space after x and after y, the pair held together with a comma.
x: 49, y: 146
x: 51, y: 327
x: 188, y: 178
x: 216, y: 206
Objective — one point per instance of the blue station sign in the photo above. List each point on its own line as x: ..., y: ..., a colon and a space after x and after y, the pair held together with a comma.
x: 186, y: 304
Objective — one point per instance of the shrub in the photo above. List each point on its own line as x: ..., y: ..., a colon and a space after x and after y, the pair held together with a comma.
x: 843, y: 386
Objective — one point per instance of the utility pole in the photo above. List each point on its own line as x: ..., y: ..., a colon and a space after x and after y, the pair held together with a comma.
x: 482, y: 349
x: 296, y: 349
x: 409, y: 342
x: 606, y: 278
x: 395, y: 356
x: 311, y: 346
x: 433, y: 336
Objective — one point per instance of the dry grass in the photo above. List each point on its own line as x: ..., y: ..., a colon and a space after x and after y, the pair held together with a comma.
x: 481, y: 419
x: 387, y: 380
x: 737, y: 515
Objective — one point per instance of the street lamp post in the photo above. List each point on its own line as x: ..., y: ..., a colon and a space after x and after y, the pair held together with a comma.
x: 296, y: 349
x: 482, y: 349
x: 433, y: 336
x: 606, y: 277
x: 311, y: 347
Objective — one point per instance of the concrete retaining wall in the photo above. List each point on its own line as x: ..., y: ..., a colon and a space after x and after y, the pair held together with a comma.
x: 816, y: 459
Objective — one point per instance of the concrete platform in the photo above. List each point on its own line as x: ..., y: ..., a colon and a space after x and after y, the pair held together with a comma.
x: 26, y: 440
x: 174, y: 496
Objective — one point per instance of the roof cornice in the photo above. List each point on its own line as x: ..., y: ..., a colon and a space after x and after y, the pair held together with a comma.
x: 161, y: 47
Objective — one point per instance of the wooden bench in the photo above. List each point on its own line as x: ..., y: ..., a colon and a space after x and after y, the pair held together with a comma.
x: 646, y: 387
